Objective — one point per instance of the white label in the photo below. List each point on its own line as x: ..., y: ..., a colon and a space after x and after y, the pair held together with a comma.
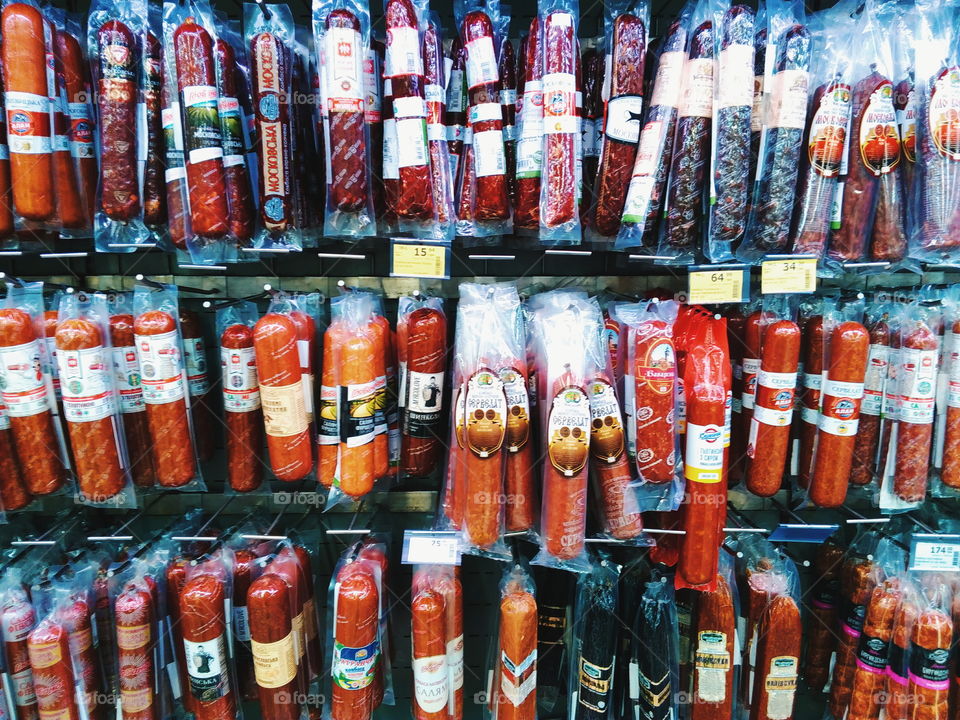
x: 195, y: 361
x: 712, y: 662
x: 481, y: 62
x: 918, y: 374
x: 126, y: 377
x: 455, y: 95
x: 873, y: 381
x: 812, y: 381
x: 751, y: 367
x: 207, y: 668
x: 704, y: 456
x: 514, y: 692
x: 781, y: 685
x: 486, y: 112
x: 588, y: 134
x: 953, y: 396
x: 568, y: 431
x: 343, y: 68
x: 698, y: 89
x: 28, y: 122
x: 424, y: 392
x: 161, y: 367
x: 391, y: 166
x: 624, y: 114
x: 736, y: 74
x: 431, y: 549
x: 937, y: 556
x: 669, y: 81
x: 788, y: 106
x: 411, y: 142
x: 559, y: 107
x: 838, y: 388
x: 455, y: 664
x: 488, y: 154
x: 241, y: 390
x: 85, y: 385
x: 24, y: 391
x: 403, y: 52
x: 409, y: 107
x: 837, y: 426
x: 431, y: 683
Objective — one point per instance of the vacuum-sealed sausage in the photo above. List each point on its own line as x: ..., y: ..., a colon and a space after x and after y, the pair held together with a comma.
x: 526, y: 207
x: 134, y: 616
x: 241, y: 403
x: 236, y: 178
x: 868, y: 429
x: 13, y: 493
x: 80, y: 135
x: 431, y: 690
x: 869, y: 677
x: 205, y: 633
x: 713, y: 638
x: 778, y: 660
x: 195, y: 363
x: 810, y: 400
x: 426, y: 345
x: 17, y: 620
x: 916, y: 378
x: 272, y: 644
x: 49, y: 650
x: 356, y: 643
x: 136, y: 430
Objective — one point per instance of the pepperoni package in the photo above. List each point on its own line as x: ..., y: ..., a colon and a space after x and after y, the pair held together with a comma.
x: 437, y: 629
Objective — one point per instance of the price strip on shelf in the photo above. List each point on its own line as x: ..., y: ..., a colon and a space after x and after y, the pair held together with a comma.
x: 430, y: 547
x: 717, y: 284
x: 936, y: 553
x: 788, y: 274
x: 801, y: 533
x: 419, y: 260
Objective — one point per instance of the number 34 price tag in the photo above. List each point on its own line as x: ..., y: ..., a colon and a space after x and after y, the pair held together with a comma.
x: 935, y: 552
x: 788, y: 275
x: 430, y: 547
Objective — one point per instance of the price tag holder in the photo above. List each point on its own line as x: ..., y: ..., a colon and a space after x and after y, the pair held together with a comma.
x: 800, y: 533
x: 717, y: 284
x: 934, y: 553
x: 411, y: 258
x: 430, y: 547
x: 788, y: 274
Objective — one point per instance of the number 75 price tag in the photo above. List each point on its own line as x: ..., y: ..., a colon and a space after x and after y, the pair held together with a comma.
x: 934, y: 552
x: 430, y: 547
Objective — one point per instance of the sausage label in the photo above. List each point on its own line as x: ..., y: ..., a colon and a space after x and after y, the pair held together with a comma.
x: 43, y: 655
x: 22, y: 687
x: 132, y: 637
x: 872, y: 653
x: 773, y: 402
x: 568, y: 430
x: 207, y: 668
x: 828, y: 130
x: 24, y: 391
x: 704, y: 456
x: 485, y: 412
x: 361, y: 411
x: 403, y: 52
x: 84, y: 374
x: 781, y: 685
x: 751, y: 367
x: 669, y: 81
x: 344, y: 75
x: 594, y: 685
x: 424, y: 394
x: 944, y: 105
x: 241, y: 393
x: 161, y: 367
x: 736, y: 69
x: 917, y: 377
x: 559, y: 103
x: 126, y: 378
x: 697, y: 98
x: 606, y: 426
x: 202, y: 123
x: 195, y: 361
x: 788, y: 104
x: 430, y: 683
x: 391, y: 166
x: 28, y: 123
x: 879, y: 139
x: 455, y: 663
x: 231, y: 128
x: 81, y: 130
x: 353, y: 668
x: 874, y: 380
x: 481, y: 62
x: 284, y: 414
x: 134, y: 701
x: 529, y: 144
x: 518, y: 409
x: 241, y: 623
x: 907, y: 121
x: 840, y: 407
x: 274, y: 663
x: 623, y: 117
x: 712, y: 663
x: 929, y: 668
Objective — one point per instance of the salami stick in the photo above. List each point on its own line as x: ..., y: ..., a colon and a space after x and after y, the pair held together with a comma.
x: 195, y: 363
x: 857, y: 582
x: 435, y: 78
x: 950, y: 472
x: 485, y: 407
x: 205, y: 636
x: 272, y: 644
x: 713, y: 639
x: 507, y: 70
x: 868, y: 430
x: 518, y: 646
x: 13, y: 492
x: 810, y: 401
x: 655, y: 376
x: 53, y: 679
x: 431, y: 679
x: 930, y: 641
x: 526, y: 209
x: 18, y: 619
x: 245, y: 571
x: 425, y: 352
x: 917, y: 382
x: 559, y: 190
x: 358, y: 372
x: 869, y: 677
x: 136, y: 428
x: 241, y: 403
x: 235, y: 176
x: 520, y: 479
x: 355, y: 630
x: 76, y: 84
x: 134, y: 616
x: 822, y: 627
x: 452, y: 593
x: 778, y: 658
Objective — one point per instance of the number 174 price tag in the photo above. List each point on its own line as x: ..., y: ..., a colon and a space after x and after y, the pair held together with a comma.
x: 935, y: 552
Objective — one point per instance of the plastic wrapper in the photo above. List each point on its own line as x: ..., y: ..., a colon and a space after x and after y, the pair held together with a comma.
x: 781, y: 140
x: 90, y: 402
x: 513, y: 667
x: 714, y: 640
x: 198, y: 382
x: 867, y: 445
x: 118, y: 224
x: 654, y: 652
x: 529, y: 146
x: 949, y: 406
x: 593, y: 651
x: 243, y: 416
x: 28, y: 393
x: 18, y: 619
x: 824, y: 612
x: 437, y: 610
x: 159, y: 349
x: 455, y: 113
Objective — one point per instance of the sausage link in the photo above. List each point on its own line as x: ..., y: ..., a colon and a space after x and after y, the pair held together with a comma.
x: 359, y: 366
x: 285, y: 565
x: 905, y: 103
x: 284, y: 414
x: 454, y: 490
x: 310, y: 629
x: 28, y: 404
x: 713, y: 636
x: 75, y: 618
x: 452, y: 593
x: 516, y: 695
x: 778, y: 657
x: 77, y: 86
x: 916, y: 378
x: 868, y: 431
x: 154, y: 190
x: 196, y: 78
x: 245, y: 571
x: 822, y: 627
x: 869, y: 677
x: 558, y: 202
x: 752, y: 334
x: 243, y: 416
x: 175, y: 175
x: 929, y: 686
x: 90, y: 412
x: 134, y: 614
x: 13, y: 493
x: 386, y: 393
x: 426, y: 346
x: 526, y: 204
x: 27, y: 104
x: 273, y: 646
x: 456, y: 109
x: 856, y: 586
x: 235, y: 176
x: 136, y: 430
x: 49, y: 650
x: 328, y: 430
x: 592, y: 63
x: 691, y: 151
x: 899, y: 703
x: 17, y: 620
x: 490, y: 201
x: 483, y: 435
x: 655, y: 378
x: 372, y: 553
x: 404, y: 67
x: 435, y: 78
x: 195, y: 362
x: 356, y: 642
x: 810, y: 400
x: 841, y: 396
x: 204, y: 627
x: 950, y: 472
x: 507, y: 70
x: 6, y: 192
x: 769, y: 439
x: 431, y: 690
x: 158, y: 348
x: 118, y: 71
x: 176, y: 576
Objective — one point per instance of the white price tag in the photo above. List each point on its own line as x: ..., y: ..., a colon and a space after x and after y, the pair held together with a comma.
x: 430, y: 548
x: 935, y: 553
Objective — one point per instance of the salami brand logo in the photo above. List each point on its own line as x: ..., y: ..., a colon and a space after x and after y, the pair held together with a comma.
x: 81, y: 131
x: 879, y: 136
x: 20, y: 123
x: 828, y: 131
x: 710, y: 434
x: 783, y: 399
x: 117, y: 54
x: 270, y: 107
x: 944, y: 113
x: 844, y: 409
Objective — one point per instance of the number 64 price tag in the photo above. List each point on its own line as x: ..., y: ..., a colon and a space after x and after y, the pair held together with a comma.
x: 430, y: 547
x: 934, y: 552
x: 716, y: 284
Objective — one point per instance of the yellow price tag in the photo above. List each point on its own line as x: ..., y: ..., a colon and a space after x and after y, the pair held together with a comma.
x: 419, y: 261
x: 789, y: 275
x: 712, y: 287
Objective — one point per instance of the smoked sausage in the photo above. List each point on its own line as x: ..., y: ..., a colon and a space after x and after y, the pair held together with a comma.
x: 868, y: 430
x: 899, y: 703
x: 13, y: 493
x: 49, y: 649
x: 89, y: 409
x: 176, y: 576
x: 356, y: 649
x: 284, y: 414
x: 28, y: 404
x: 235, y: 175
x: 360, y: 367
x: 161, y: 365
x: 118, y: 72
x: 822, y: 627
x: 17, y: 620
x: 452, y: 593
x: 195, y: 362
x: 840, y: 409
x: 929, y: 686
x: 204, y: 628
x: 328, y: 428
x: 857, y: 583
x: 950, y: 472
x: 425, y: 352
x: 311, y: 631
x: 559, y: 193
x: 810, y: 400
x: 196, y: 78
x: 27, y: 104
x: 516, y: 691
x: 70, y: 209
x: 655, y: 414
x: 916, y: 379
x: 520, y: 479
x: 714, y: 649
x: 241, y: 403
x: 136, y: 430
x: 134, y: 617
x: 246, y: 569
x: 778, y: 658
x: 752, y: 334
x: 273, y: 646
x: 80, y: 136
x: 869, y: 677
x: 154, y: 183
x: 526, y: 208
x: 435, y: 78
x: 431, y: 689
x: 484, y: 413
x: 75, y: 618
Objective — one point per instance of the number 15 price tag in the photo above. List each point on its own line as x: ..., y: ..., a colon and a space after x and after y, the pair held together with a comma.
x: 935, y: 552
x: 430, y: 547
x: 419, y: 260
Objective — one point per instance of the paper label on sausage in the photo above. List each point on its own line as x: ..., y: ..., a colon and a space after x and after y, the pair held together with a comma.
x: 126, y: 379
x: 736, y: 73
x: 697, y: 100
x: 773, y: 402
x: 206, y: 663
x: 907, y: 122
x: 161, y: 367
x: 712, y: 663
x: 423, y: 403
x: 930, y: 667
x: 202, y: 123
x: 42, y: 656
x: 481, y: 62
x: 606, y: 424
x: 371, y: 87
x: 353, y: 668
x: 917, y: 376
x: 875, y: 379
x: 559, y: 103
x: 942, y: 108
x: 654, y: 692
x: 81, y: 130
x: 828, y: 129
x: 518, y: 409
x: 84, y: 378
x: 284, y: 414
x: 568, y: 431
x: 456, y: 97
x: 872, y: 654
x: 879, y: 140
x: 24, y: 390
x: 485, y: 412
x: 751, y: 367
x: 132, y: 637
x: 669, y: 81
x: 231, y: 128
x: 455, y: 663
x: 28, y: 122
x: 329, y: 427
x: 195, y: 361
x: 403, y: 52
x: 22, y: 688
x: 241, y: 391
x: 488, y: 155
x: 623, y: 116
x: 788, y: 102
x: 412, y: 151
x: 703, y: 461
x: 344, y: 70
x: 756, y: 112
x: 594, y: 685
x: 359, y: 406
x: 431, y: 689
x: 241, y: 623
x: 274, y: 663
x: 781, y: 685
x: 391, y: 163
